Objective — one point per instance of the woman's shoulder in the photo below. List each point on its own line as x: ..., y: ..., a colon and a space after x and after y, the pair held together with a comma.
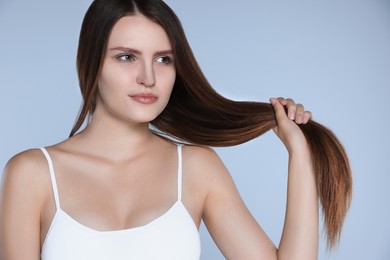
x: 26, y: 172
x: 205, y: 164
x: 26, y: 161
x: 200, y: 155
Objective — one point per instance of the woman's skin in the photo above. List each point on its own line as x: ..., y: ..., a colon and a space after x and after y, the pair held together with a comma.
x: 116, y: 174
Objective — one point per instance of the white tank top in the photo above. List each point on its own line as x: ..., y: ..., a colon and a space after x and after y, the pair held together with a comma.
x: 171, y: 236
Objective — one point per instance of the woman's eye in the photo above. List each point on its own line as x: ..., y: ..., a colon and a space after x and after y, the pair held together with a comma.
x: 126, y: 57
x: 164, y: 59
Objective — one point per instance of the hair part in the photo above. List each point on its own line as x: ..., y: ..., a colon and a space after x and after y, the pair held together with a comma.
x: 196, y: 113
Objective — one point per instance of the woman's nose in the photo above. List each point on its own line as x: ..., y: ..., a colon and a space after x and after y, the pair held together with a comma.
x: 146, y: 75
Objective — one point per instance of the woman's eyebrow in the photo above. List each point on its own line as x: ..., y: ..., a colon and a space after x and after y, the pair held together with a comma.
x: 131, y: 50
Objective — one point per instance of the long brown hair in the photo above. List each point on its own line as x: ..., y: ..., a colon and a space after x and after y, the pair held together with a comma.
x: 196, y: 113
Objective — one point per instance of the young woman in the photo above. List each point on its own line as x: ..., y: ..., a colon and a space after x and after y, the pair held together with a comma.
x: 122, y: 188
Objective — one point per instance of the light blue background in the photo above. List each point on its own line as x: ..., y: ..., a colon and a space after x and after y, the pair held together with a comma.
x: 333, y: 56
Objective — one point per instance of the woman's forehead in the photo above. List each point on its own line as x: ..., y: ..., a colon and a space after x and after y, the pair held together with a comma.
x: 138, y: 31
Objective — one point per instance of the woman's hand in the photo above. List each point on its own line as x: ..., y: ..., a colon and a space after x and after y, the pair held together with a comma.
x: 287, y: 123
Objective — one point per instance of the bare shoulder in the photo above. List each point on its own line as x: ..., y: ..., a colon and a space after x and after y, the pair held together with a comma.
x: 23, y: 193
x: 26, y: 163
x: 204, y: 163
x: 202, y: 158
x: 25, y: 173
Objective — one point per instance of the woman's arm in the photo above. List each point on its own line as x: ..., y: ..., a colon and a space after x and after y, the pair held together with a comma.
x: 21, y: 199
x: 300, y: 233
x: 231, y: 225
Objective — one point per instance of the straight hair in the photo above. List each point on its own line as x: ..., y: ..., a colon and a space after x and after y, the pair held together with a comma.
x: 197, y: 114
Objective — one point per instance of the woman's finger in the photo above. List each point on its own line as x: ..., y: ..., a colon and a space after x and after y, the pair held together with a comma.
x: 283, y: 101
x: 295, y: 111
x: 291, y: 108
x: 299, y: 114
x: 308, y: 115
x: 279, y: 108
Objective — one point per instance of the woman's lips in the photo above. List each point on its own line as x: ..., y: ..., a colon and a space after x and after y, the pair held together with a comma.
x: 144, y: 98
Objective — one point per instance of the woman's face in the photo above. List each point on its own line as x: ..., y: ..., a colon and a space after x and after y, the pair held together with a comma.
x: 138, y: 70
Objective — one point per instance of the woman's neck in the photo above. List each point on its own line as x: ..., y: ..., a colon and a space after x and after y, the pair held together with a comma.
x: 115, y: 138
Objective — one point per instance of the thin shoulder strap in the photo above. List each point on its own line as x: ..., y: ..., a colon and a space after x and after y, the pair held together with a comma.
x: 52, y: 176
x: 179, y: 171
